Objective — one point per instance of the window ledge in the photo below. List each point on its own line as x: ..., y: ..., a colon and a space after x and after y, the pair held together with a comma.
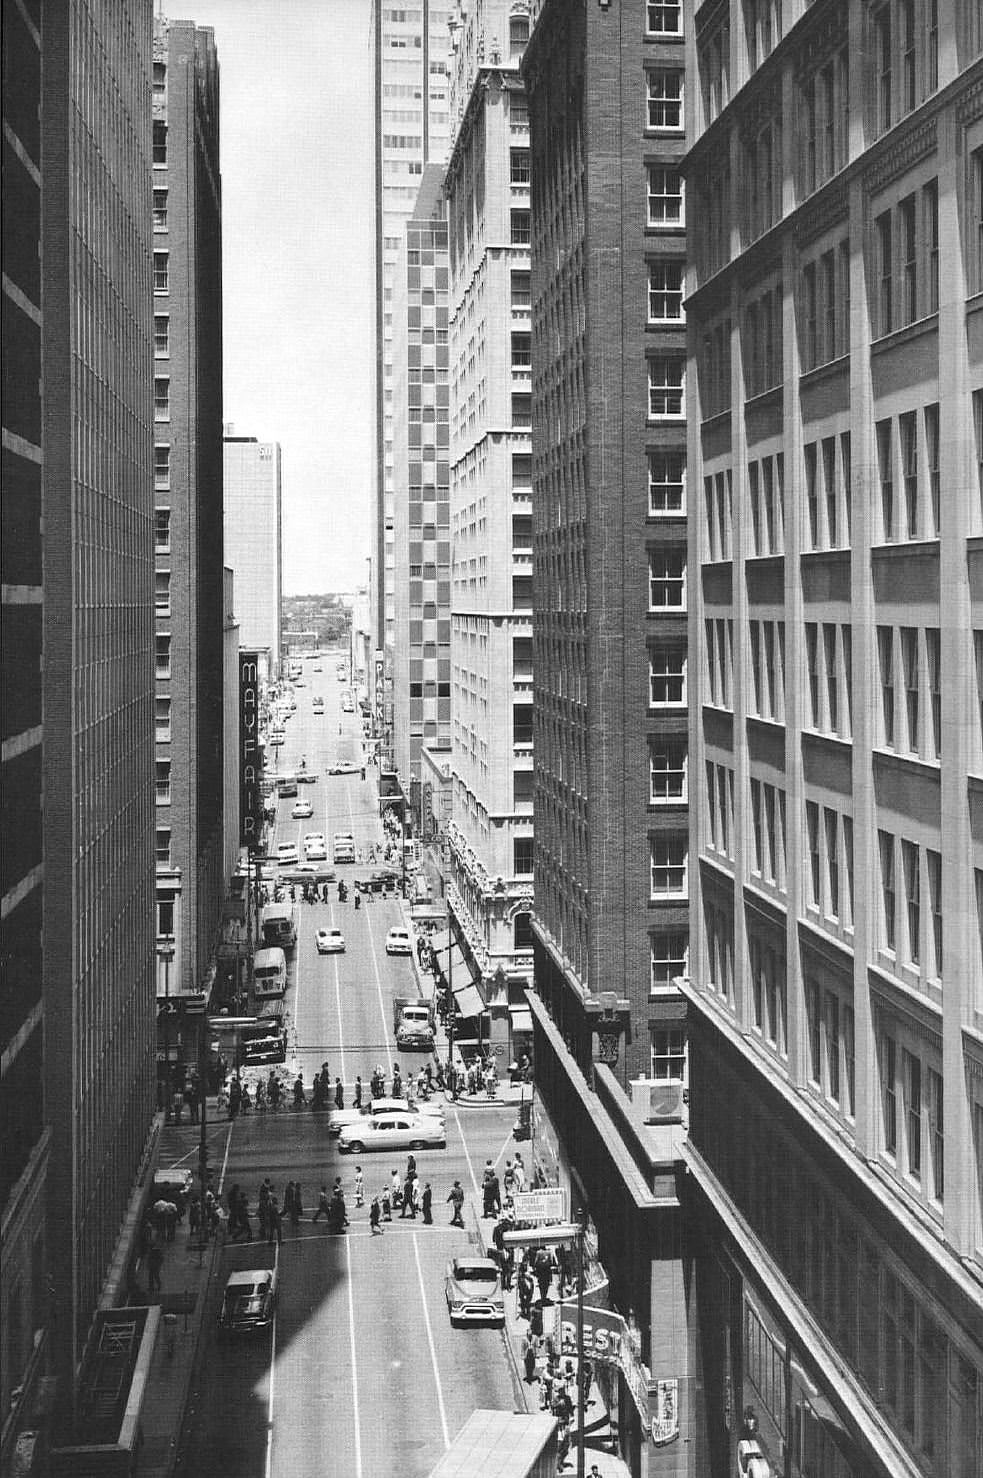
x: 904, y: 764
x: 905, y: 335
x: 827, y: 370
x: 764, y: 398
x: 905, y: 549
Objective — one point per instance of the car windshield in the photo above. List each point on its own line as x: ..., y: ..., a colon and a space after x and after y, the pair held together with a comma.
x: 472, y: 1274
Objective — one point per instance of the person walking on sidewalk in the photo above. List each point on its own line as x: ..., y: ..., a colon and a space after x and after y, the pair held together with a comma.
x: 359, y: 1187
x: 426, y: 1205
x: 526, y: 1286
x: 374, y: 1217
x: 155, y: 1261
x: 323, y: 1208
x: 357, y: 1101
x: 456, y: 1198
x: 530, y: 1354
x: 275, y: 1223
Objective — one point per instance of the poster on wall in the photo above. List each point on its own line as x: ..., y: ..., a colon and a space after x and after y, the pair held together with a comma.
x: 664, y: 1412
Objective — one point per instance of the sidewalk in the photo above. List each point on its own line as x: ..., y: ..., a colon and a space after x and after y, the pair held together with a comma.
x: 599, y: 1438
x: 185, y: 1280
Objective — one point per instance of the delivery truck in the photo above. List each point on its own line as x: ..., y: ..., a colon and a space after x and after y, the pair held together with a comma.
x: 413, y: 1022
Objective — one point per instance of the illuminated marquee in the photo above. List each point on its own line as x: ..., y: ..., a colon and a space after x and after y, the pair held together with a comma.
x: 250, y: 801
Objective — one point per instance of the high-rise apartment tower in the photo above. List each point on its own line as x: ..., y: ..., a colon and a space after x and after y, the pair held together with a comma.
x: 253, y: 543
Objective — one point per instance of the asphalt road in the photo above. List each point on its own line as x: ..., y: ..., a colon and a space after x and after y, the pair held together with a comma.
x: 362, y: 1374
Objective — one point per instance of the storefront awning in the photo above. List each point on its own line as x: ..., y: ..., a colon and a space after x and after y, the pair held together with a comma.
x: 520, y: 1018
x: 468, y: 1000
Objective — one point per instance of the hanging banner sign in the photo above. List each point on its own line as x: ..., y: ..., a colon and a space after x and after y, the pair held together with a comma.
x: 608, y: 1342
x: 542, y: 1206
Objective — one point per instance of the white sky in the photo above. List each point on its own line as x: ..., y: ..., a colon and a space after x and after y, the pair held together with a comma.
x: 298, y: 279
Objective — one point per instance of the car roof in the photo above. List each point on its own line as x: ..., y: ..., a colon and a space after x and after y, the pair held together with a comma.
x: 403, y: 933
x: 479, y: 1264
x: 249, y: 1277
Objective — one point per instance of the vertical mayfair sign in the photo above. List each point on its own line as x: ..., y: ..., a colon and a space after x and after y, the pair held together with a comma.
x: 250, y: 813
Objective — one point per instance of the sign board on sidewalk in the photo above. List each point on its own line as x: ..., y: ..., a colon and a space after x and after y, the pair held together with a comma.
x: 545, y: 1205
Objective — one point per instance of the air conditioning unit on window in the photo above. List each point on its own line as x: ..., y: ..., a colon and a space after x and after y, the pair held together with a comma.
x: 657, y: 1102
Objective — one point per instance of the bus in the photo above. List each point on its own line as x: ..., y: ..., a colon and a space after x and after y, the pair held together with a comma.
x: 269, y: 974
x: 278, y: 922
x: 264, y: 1038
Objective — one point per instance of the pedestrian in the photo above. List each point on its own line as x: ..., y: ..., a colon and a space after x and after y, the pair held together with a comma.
x: 544, y: 1273
x: 426, y: 1205
x: 339, y: 1094
x: 526, y: 1286
x: 530, y: 1354
x: 397, y: 1082
x: 358, y: 905
x: 520, y: 1173
x: 359, y: 1186
x: 300, y: 1098
x: 507, y: 1264
x: 245, y: 1103
x: 411, y: 1165
x: 274, y: 1223
x: 155, y: 1261
x: 357, y: 1100
x: 288, y: 1200
x: 298, y: 1203
x: 456, y: 1198
x: 395, y: 1188
x: 374, y: 1217
x: 235, y: 1097
x: 322, y: 1205
x: 408, y: 1209
x: 586, y: 1377
x: 387, y: 1205
x: 508, y: 1178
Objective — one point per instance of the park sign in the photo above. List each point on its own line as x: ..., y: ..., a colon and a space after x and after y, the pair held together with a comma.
x: 539, y: 1208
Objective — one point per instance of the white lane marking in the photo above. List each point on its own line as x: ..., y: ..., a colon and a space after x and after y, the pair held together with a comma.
x: 382, y: 1004
x: 269, y: 1404
x: 433, y: 1352
x: 225, y: 1161
x: 337, y: 990
x: 196, y: 1150
x: 354, y: 1360
x: 464, y: 1146
x: 498, y: 1157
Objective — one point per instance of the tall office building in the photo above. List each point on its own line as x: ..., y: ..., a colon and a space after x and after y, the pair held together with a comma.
x: 187, y: 244
x: 410, y: 52
x: 253, y: 542
x: 24, y: 1141
x: 835, y: 996
x: 421, y: 661
x: 489, y: 886
x: 605, y: 91
x: 98, y: 636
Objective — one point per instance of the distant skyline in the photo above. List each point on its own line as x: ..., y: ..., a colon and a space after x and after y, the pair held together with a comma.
x: 298, y: 280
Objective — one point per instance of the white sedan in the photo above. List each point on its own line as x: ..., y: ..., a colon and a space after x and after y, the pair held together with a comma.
x: 397, y: 1131
x: 398, y: 942
x: 338, y: 1118
x: 329, y: 942
x: 300, y: 809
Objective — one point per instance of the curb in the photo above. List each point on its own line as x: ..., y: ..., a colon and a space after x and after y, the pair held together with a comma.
x: 519, y: 1387
x: 176, y: 1463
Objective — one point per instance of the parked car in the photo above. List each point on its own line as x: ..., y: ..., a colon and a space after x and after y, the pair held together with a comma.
x: 249, y: 1301
x: 286, y: 852
x: 344, y: 767
x: 473, y: 1291
x: 399, y: 942
x: 316, y: 851
x: 308, y: 872
x: 301, y: 809
x: 307, y: 777
x: 399, y: 1131
x: 380, y: 881
x: 329, y: 942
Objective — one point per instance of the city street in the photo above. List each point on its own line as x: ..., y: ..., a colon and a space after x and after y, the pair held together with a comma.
x: 361, y: 1373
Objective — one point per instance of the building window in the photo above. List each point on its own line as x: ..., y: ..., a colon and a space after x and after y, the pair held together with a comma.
x: 832, y: 1046
x: 913, y: 898
x: 162, y: 335
x: 930, y: 199
x: 667, y: 580
x: 522, y: 931
x: 669, y: 954
x: 520, y: 232
x: 814, y: 1012
x: 160, y: 77
x: 522, y: 853
x: 521, y: 351
x: 162, y: 467
x: 162, y: 530
x: 160, y: 210
x: 910, y: 676
x: 815, y: 864
x: 889, y: 1087
x: 163, y: 782
x: 519, y: 166
x: 908, y: 241
x: 831, y: 830
x: 162, y: 720
x: 934, y: 485
x: 165, y: 918
x: 936, y: 1124
x: 885, y: 460
x: 665, y: 196
x: 666, y: 386
x: 162, y: 399
x: 668, y: 1055
x: 664, y: 17
x: 883, y: 60
x: 885, y: 657
x: 665, y: 99
x: 667, y: 677
x: 913, y: 1112
x: 667, y: 481
x: 885, y: 844
x: 161, y: 272
x: 162, y: 649
x: 160, y: 141
x: 162, y: 592
x: 668, y: 866
x: 934, y: 867
x: 518, y: 35
x: 885, y: 273
x: 163, y: 846
x: 521, y: 290
x: 667, y: 771
x: 665, y: 297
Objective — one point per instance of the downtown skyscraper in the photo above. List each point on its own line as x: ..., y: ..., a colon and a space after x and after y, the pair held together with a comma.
x: 77, y: 1088
x: 411, y: 113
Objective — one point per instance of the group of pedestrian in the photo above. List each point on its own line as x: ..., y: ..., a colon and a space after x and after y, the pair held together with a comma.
x: 332, y: 1207
x: 406, y: 1194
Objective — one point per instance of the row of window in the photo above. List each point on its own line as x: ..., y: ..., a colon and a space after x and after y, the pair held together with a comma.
x: 667, y: 579
x: 909, y: 663
x: 720, y: 810
x: 907, y: 269
x: 768, y: 834
x: 913, y: 1115
x: 911, y: 933
x: 828, y: 492
x: 909, y: 501
x: 829, y: 883
x: 829, y: 661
